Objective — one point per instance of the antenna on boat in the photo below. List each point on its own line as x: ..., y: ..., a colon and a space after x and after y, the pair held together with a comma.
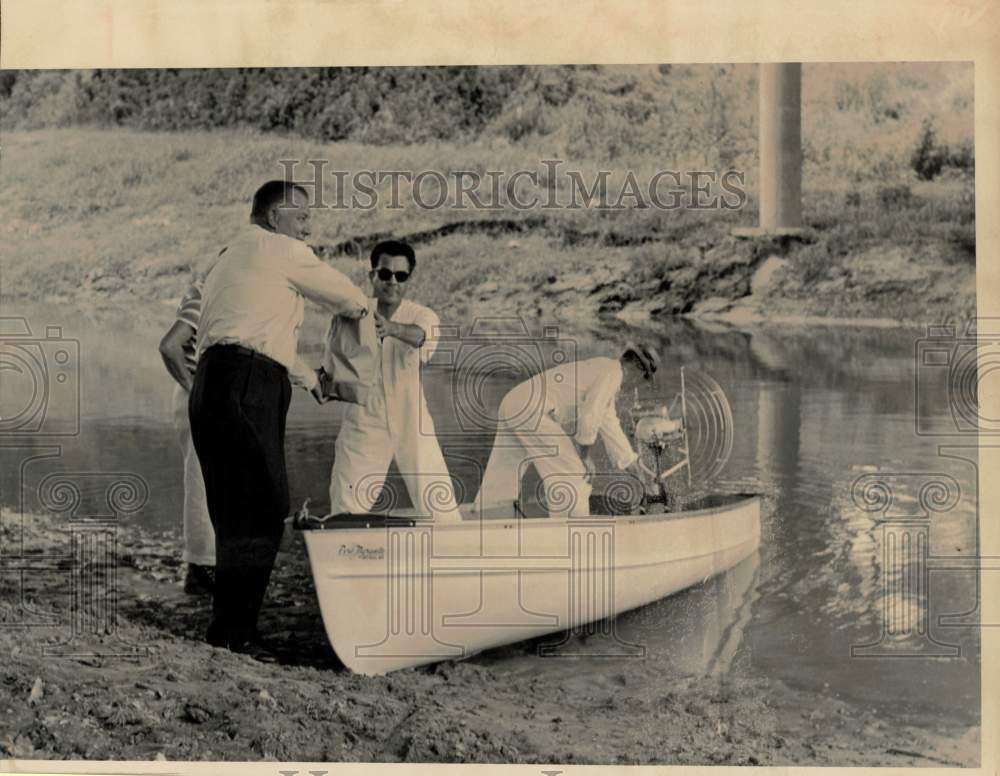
x: 684, y: 426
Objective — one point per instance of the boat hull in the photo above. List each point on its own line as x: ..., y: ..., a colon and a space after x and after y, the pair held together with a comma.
x: 398, y: 595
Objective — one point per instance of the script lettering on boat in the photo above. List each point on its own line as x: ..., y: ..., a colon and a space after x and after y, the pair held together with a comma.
x: 361, y: 552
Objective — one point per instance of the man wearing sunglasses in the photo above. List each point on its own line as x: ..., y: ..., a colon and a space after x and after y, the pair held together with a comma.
x: 394, y: 421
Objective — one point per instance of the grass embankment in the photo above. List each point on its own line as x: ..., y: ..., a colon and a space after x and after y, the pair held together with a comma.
x: 97, y: 216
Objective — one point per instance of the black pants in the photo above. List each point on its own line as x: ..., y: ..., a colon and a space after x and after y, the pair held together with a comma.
x: 238, y: 407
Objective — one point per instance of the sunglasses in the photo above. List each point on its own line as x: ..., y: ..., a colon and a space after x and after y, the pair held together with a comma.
x: 385, y: 274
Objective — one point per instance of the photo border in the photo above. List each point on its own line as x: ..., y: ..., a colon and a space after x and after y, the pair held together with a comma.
x: 300, y: 33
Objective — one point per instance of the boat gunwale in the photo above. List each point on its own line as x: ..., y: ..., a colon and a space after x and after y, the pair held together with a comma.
x: 542, y: 568
x: 383, y: 522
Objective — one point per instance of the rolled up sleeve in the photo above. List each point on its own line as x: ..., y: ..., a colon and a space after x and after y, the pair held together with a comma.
x: 322, y: 283
x: 428, y: 320
x: 189, y: 309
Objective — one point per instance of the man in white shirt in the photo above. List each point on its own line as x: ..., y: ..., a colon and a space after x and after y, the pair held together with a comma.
x: 394, y: 421
x: 580, y: 397
x: 252, y: 309
x: 178, y: 349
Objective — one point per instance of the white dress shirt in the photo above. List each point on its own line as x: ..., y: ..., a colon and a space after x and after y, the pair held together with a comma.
x: 580, y: 396
x: 254, y: 297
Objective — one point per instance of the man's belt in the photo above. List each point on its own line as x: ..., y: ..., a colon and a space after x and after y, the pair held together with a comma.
x: 226, y: 348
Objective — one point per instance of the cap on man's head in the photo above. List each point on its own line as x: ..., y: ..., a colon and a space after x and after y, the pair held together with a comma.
x: 647, y: 358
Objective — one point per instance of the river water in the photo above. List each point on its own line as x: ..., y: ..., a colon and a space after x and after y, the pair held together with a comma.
x: 871, y: 601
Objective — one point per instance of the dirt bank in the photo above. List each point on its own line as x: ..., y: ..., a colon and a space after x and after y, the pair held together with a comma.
x: 184, y: 700
x: 721, y: 277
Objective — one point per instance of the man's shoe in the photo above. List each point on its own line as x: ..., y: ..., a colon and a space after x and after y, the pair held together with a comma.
x: 256, y: 648
x: 199, y: 580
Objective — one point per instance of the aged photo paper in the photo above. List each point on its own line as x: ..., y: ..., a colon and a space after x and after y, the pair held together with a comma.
x: 529, y: 388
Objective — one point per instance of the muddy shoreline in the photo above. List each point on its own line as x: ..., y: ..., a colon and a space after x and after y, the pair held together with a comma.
x: 179, y: 699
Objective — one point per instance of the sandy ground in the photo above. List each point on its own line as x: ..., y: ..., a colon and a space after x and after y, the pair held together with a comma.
x: 185, y: 700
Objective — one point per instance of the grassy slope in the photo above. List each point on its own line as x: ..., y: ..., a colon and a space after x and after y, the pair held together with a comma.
x: 119, y: 214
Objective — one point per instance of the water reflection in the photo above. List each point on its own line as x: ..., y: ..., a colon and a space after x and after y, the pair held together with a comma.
x: 698, y: 631
x: 814, y: 410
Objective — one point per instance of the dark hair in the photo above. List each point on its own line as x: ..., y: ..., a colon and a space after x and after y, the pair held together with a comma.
x: 273, y: 193
x: 394, y: 248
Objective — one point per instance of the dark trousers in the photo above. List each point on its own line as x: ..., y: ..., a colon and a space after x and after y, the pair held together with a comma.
x: 238, y: 407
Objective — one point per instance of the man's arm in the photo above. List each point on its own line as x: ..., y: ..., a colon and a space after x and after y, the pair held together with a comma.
x: 410, y: 333
x: 302, y: 375
x: 422, y: 334
x: 174, y: 357
x: 616, y: 444
x: 324, y: 284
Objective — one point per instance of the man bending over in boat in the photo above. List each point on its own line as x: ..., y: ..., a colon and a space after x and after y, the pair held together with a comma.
x: 580, y: 395
x: 394, y: 421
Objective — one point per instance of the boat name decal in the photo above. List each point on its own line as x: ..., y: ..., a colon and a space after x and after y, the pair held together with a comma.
x: 363, y: 553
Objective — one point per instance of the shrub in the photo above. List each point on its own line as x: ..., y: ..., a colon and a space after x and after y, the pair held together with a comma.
x: 963, y: 157
x: 7, y: 80
x: 328, y: 103
x: 929, y: 157
x: 895, y: 197
x: 926, y: 159
x: 34, y: 99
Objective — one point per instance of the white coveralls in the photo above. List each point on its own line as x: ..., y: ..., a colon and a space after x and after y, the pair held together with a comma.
x: 394, y: 422
x: 533, y: 421
x: 199, y: 536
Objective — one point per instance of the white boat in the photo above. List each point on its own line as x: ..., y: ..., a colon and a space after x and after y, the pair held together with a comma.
x: 397, y: 592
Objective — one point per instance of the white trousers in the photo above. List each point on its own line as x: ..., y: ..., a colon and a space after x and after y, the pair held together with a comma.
x: 364, y: 450
x: 549, y: 449
x: 199, y: 536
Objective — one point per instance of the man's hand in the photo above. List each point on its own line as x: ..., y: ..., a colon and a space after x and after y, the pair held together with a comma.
x: 589, y: 467
x: 174, y: 358
x: 321, y: 391
x: 383, y: 326
x: 319, y: 395
x: 409, y: 333
x: 645, y: 470
x: 643, y: 473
